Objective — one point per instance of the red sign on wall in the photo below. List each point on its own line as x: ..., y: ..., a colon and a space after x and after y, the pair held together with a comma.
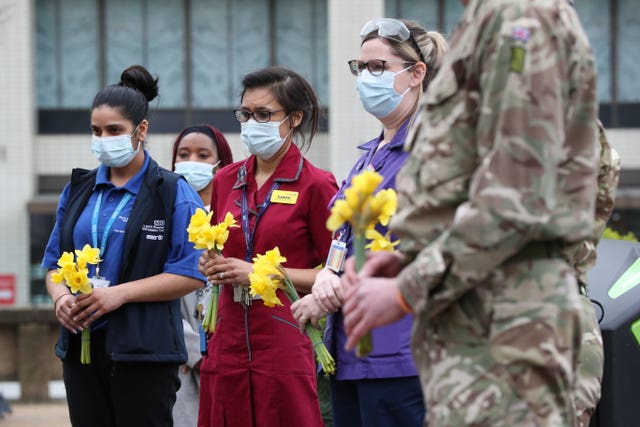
x: 7, y: 289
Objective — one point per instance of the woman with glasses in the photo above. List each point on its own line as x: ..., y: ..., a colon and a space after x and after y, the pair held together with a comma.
x: 398, y: 59
x: 260, y: 368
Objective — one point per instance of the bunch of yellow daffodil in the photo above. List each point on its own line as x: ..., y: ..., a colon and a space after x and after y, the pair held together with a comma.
x: 265, y: 279
x: 203, y: 235
x: 75, y: 274
x: 363, y: 210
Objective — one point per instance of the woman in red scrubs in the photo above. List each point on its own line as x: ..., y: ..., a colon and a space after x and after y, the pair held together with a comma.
x: 260, y: 368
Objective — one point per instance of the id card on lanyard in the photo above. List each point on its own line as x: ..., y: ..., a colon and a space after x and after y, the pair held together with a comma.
x: 98, y: 281
x: 241, y: 293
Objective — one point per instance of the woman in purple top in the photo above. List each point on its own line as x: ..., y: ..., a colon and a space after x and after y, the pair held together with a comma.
x: 397, y: 60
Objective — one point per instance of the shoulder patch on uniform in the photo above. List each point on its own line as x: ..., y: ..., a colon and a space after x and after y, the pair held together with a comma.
x: 520, y: 33
x: 517, y: 59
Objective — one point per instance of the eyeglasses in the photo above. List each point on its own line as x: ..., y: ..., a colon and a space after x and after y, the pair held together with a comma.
x: 375, y: 66
x: 387, y: 27
x: 260, y: 116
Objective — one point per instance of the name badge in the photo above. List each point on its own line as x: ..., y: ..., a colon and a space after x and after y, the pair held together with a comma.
x: 99, y: 282
x: 285, y: 197
x: 335, y: 259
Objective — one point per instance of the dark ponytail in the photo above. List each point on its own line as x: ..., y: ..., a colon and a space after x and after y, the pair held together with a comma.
x: 131, y: 96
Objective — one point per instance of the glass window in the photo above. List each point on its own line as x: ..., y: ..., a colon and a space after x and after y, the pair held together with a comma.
x: 423, y: 12
x: 124, y: 37
x: 67, y: 36
x: 628, y: 38
x: 596, y: 20
x: 306, y: 55
x: 452, y: 12
x: 150, y: 33
x: 210, y: 41
x: 83, y: 45
x: 46, y: 53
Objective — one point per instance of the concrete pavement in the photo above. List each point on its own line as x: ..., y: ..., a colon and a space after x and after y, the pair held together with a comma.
x: 50, y: 414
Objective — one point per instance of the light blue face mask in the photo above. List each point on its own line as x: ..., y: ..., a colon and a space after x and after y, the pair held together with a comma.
x: 377, y: 94
x: 262, y: 139
x: 114, y: 151
x: 197, y: 174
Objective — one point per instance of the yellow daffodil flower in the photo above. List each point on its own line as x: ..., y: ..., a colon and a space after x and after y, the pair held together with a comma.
x: 203, y: 235
x: 79, y: 282
x: 199, y: 219
x: 380, y: 242
x: 229, y: 221
x: 366, y: 182
x: 65, y: 259
x: 57, y: 277
x: 274, y: 257
x: 221, y: 234
x: 363, y: 211
x: 341, y: 212
x: 266, y: 287
x: 67, y: 269
x: 384, y: 205
x: 354, y: 198
x: 266, y: 277
x: 76, y: 276
x: 87, y: 255
x: 266, y: 268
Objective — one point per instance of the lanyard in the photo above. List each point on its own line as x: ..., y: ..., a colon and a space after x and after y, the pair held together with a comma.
x: 107, y: 227
x: 249, y: 234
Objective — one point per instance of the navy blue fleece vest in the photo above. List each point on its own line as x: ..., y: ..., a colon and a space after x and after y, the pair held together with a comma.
x: 150, y: 331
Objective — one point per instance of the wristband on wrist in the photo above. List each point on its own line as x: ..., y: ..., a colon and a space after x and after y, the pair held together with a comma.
x: 403, y: 303
x: 55, y: 302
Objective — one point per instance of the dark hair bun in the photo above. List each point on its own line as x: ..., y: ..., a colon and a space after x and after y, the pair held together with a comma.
x: 137, y: 77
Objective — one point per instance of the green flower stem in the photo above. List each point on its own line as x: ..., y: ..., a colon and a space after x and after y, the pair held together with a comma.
x: 211, y: 315
x: 85, y: 347
x: 319, y: 349
x: 322, y: 353
x: 365, y: 345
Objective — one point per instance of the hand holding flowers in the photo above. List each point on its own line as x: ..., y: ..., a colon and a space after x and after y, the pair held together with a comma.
x: 203, y: 235
x: 363, y: 210
x: 266, y: 278
x: 73, y: 271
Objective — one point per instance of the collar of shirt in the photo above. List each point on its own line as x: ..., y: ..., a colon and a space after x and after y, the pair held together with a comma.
x: 396, y: 142
x: 132, y: 186
x: 288, y: 170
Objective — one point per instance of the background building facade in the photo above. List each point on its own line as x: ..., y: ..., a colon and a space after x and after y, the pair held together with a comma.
x: 56, y: 54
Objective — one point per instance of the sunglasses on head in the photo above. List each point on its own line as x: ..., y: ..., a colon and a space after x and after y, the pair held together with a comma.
x: 387, y: 27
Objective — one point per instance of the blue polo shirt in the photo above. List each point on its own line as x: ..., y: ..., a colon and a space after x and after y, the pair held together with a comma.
x: 182, y: 258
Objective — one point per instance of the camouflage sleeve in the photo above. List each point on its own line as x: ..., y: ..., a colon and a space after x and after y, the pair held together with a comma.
x: 583, y: 254
x: 532, y: 77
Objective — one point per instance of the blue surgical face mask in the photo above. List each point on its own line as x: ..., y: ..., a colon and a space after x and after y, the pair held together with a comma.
x: 377, y: 94
x: 262, y: 139
x: 114, y: 151
x: 197, y: 174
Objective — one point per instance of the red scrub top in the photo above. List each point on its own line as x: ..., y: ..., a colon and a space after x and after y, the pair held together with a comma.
x: 260, y: 368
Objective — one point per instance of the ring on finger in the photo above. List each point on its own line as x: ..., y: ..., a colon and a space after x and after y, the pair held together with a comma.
x: 221, y: 275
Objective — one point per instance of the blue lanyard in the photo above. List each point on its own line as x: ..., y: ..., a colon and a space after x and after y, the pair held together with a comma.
x: 250, y: 233
x: 107, y: 227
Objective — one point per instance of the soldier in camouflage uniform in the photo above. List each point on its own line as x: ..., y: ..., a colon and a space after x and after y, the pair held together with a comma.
x: 583, y: 256
x: 501, y: 177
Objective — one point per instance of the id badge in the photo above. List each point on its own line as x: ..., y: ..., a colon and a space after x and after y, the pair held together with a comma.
x: 203, y: 340
x: 337, y: 253
x: 99, y: 282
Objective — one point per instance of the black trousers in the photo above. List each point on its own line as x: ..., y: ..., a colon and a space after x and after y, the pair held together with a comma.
x: 105, y: 393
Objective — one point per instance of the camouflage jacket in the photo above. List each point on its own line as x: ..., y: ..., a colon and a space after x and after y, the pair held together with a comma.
x: 504, y: 151
x: 583, y: 254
